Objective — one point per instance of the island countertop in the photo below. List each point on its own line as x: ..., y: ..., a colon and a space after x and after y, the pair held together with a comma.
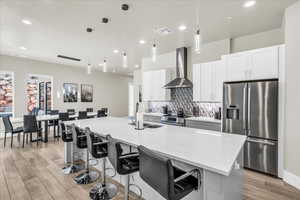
x: 210, y: 150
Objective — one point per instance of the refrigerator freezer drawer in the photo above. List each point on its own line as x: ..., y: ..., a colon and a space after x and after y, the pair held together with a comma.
x: 261, y: 155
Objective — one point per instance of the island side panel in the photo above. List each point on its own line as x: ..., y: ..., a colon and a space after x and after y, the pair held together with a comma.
x: 220, y: 187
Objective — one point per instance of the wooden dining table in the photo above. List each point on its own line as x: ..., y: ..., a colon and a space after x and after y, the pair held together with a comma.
x: 46, y: 118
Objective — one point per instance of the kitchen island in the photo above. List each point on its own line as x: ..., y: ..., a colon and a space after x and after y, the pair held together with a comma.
x: 217, y: 155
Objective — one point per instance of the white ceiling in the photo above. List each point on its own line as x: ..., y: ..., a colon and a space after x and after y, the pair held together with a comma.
x: 58, y: 26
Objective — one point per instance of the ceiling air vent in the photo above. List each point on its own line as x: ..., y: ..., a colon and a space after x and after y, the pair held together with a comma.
x: 69, y: 58
x: 163, y: 31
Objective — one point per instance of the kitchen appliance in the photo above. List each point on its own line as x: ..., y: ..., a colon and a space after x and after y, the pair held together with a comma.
x: 181, y: 80
x: 165, y: 110
x: 251, y: 109
x: 175, y: 119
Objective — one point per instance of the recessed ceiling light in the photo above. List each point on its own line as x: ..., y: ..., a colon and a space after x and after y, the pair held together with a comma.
x: 248, y: 4
x: 116, y: 51
x: 182, y: 27
x: 26, y: 21
x: 137, y: 66
x: 142, y: 41
x: 23, y: 48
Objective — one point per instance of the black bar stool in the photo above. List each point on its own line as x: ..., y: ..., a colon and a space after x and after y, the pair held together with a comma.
x: 9, y: 129
x: 170, y: 182
x: 82, y: 115
x: 31, y: 126
x: 98, y: 149
x: 67, y: 137
x: 80, y: 140
x: 125, y: 164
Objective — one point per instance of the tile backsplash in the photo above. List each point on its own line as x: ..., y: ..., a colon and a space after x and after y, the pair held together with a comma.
x: 183, y: 98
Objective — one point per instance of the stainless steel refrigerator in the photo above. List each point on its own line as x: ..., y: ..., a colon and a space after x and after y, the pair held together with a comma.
x: 251, y: 109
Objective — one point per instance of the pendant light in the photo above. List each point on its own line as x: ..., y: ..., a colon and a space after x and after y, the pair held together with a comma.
x: 89, y: 69
x: 198, y: 41
x: 198, y: 36
x: 104, y: 66
x: 125, y: 64
x: 154, y: 52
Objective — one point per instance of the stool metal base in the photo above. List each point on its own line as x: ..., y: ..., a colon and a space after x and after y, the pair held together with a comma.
x: 87, y: 177
x: 103, y: 192
x: 72, y: 169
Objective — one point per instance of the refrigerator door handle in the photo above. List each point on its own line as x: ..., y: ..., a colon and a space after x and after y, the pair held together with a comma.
x: 261, y: 142
x: 244, y: 108
x: 249, y: 109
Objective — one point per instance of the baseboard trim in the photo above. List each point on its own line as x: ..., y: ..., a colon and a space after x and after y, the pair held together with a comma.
x: 291, y: 179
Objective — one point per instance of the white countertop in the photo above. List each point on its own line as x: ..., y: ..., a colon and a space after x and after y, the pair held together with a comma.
x: 210, y: 150
x: 204, y: 119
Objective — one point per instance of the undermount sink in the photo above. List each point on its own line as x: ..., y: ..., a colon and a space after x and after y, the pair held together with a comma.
x: 148, y: 125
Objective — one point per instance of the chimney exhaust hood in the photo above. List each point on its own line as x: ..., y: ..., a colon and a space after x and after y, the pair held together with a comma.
x: 181, y: 80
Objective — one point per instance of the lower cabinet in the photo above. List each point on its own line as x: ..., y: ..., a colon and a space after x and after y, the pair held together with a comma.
x: 212, y: 126
x: 152, y: 118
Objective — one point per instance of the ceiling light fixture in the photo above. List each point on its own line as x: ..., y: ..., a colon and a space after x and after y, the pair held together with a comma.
x: 154, y: 52
x: 142, y: 41
x: 23, y: 48
x: 89, y: 69
x: 182, y: 27
x: 198, y: 41
x: 125, y: 64
x: 248, y: 4
x: 104, y: 66
x: 26, y: 21
x: 137, y: 66
x: 116, y: 51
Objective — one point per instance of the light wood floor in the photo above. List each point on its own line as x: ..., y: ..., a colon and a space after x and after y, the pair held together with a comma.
x: 35, y: 173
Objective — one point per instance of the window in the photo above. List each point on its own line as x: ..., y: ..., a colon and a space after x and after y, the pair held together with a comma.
x: 6, y: 93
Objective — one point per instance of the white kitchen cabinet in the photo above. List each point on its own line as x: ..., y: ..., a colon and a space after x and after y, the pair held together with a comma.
x: 208, y: 81
x: 196, y: 82
x: 237, y: 66
x: 252, y: 65
x: 153, y: 82
x: 264, y: 63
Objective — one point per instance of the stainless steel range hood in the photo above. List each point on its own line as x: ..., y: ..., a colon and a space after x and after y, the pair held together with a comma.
x: 181, y: 80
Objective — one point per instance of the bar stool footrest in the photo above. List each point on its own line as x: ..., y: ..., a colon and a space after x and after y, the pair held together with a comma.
x: 72, y: 169
x: 103, y: 192
x: 87, y: 177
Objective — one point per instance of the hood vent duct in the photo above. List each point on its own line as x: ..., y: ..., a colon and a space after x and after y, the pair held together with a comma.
x: 181, y: 80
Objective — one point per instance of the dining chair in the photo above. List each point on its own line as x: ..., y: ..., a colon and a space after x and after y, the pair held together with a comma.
x: 54, y: 122
x: 82, y: 115
x: 89, y: 110
x: 101, y: 113
x: 71, y: 112
x: 31, y: 126
x: 9, y: 129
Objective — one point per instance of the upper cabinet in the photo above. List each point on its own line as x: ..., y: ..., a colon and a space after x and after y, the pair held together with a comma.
x: 252, y: 65
x: 208, y: 81
x: 153, y: 82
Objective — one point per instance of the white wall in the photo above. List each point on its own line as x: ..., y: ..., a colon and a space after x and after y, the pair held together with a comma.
x: 292, y: 139
x: 110, y: 90
x: 258, y: 40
